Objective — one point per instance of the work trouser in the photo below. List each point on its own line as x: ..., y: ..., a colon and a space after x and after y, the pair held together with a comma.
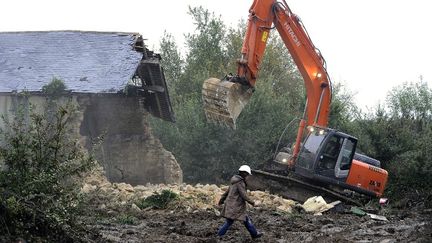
x: 247, y: 223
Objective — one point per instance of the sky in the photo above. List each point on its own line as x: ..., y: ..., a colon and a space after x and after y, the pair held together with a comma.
x: 370, y: 46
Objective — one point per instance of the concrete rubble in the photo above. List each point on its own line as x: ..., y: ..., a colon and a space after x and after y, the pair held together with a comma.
x: 194, y: 217
x: 198, y: 197
x: 317, y: 205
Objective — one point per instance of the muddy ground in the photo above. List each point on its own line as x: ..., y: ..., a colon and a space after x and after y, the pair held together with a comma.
x: 192, y: 217
x: 201, y: 226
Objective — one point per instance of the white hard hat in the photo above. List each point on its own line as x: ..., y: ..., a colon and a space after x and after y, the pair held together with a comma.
x: 245, y: 168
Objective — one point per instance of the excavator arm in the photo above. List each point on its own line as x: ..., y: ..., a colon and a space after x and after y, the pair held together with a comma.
x: 223, y: 100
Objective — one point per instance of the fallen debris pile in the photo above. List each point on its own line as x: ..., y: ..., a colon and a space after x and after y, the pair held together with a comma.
x: 192, y: 217
x: 113, y: 196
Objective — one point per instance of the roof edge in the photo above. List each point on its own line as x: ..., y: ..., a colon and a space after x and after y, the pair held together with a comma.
x: 72, y: 31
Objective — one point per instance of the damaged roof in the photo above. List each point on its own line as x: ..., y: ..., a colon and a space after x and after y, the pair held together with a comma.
x: 87, y: 62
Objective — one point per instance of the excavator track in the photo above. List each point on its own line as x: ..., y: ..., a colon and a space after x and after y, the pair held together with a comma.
x: 224, y: 100
x: 288, y: 186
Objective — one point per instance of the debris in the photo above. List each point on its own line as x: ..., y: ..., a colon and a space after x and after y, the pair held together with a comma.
x: 377, y: 217
x: 335, y: 203
x: 388, y: 241
x: 135, y: 208
x: 360, y: 212
x: 318, y: 205
x: 87, y: 188
x: 186, y: 216
x: 383, y: 201
x: 191, y: 198
x: 216, y: 212
x: 357, y: 211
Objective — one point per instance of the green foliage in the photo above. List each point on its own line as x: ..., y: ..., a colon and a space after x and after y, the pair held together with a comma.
x: 171, y: 61
x: 411, y: 101
x: 55, y: 88
x: 39, y: 196
x: 206, y: 151
x: 409, y: 120
x: 206, y: 56
x: 343, y: 109
x: 400, y: 136
x: 158, y: 200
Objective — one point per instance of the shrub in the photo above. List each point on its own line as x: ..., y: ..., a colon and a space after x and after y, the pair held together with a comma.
x: 55, y: 88
x: 39, y: 192
x: 158, y: 200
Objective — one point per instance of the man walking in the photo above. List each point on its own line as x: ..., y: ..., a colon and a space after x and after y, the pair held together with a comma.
x: 234, y: 200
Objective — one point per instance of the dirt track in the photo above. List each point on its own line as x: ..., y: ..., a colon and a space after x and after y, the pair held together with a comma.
x: 201, y: 226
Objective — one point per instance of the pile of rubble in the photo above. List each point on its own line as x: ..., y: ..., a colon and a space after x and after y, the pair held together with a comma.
x: 112, y: 196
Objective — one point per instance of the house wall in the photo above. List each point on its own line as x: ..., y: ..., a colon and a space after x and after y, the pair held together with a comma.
x: 128, y: 151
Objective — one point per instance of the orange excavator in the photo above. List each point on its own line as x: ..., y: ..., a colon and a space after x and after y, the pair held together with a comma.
x: 322, y: 160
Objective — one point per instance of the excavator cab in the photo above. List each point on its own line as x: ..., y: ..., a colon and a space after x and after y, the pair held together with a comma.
x: 326, y: 153
x: 329, y: 157
x: 327, y: 163
x: 322, y: 165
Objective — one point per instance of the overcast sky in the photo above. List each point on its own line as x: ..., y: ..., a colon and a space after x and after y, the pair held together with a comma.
x: 369, y: 45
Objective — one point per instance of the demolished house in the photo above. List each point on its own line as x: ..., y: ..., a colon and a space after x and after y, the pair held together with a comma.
x: 116, y: 82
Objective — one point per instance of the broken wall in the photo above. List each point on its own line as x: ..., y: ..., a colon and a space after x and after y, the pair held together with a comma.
x: 128, y: 151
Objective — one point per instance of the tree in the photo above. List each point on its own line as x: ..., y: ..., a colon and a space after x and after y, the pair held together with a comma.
x: 399, y: 135
x: 411, y: 101
x: 172, y: 62
x: 410, y: 109
x: 206, y: 151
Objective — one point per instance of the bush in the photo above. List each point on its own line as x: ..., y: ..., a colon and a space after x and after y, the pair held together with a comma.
x: 158, y: 200
x: 39, y: 193
x: 55, y: 88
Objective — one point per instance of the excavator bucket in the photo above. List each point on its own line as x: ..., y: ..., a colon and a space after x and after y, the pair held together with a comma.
x: 224, y: 100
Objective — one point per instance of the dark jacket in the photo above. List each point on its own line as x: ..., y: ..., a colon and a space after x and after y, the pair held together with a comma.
x: 235, y: 199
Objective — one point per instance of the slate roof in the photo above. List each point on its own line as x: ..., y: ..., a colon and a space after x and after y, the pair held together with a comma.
x: 88, y: 62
